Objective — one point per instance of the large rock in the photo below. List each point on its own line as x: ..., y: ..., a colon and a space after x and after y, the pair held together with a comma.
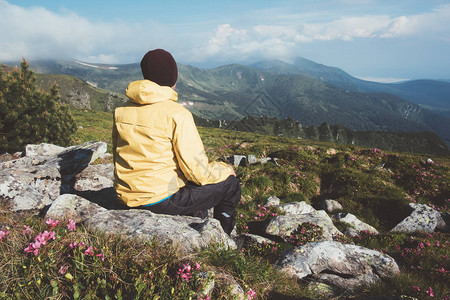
x: 33, y: 182
x: 343, y: 266
x: 356, y: 224
x: 95, y: 178
x: 43, y: 149
x: 423, y: 218
x: 186, y: 233
x: 284, y: 226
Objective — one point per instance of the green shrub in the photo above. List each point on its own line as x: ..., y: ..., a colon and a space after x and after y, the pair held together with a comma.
x: 295, y: 197
x: 28, y: 115
x: 261, y: 182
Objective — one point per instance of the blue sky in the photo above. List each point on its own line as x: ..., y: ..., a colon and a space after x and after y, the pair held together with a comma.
x: 372, y: 39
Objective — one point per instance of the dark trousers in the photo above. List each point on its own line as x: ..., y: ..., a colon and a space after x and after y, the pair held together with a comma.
x: 192, y: 199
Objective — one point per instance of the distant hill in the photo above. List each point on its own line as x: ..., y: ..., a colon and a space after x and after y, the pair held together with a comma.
x: 431, y: 94
x: 79, y: 93
x: 413, y: 142
x: 74, y: 90
x: 235, y: 91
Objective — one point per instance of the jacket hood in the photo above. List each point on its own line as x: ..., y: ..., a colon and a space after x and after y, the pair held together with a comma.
x: 148, y: 92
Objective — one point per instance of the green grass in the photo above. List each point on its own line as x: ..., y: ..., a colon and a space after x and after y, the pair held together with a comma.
x: 378, y: 196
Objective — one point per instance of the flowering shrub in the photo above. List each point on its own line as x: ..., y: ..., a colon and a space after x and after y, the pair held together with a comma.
x: 69, y: 262
x: 192, y: 281
x: 256, y: 214
x: 40, y: 240
x: 306, y: 233
x: 424, y: 256
x: 268, y: 250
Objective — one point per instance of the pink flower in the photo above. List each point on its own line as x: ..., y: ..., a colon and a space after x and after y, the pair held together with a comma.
x: 3, y: 234
x: 88, y: 251
x: 251, y: 293
x: 63, y: 269
x: 101, y: 255
x: 430, y: 292
x: 71, y: 225
x: 185, y: 272
x: 73, y: 245
x: 416, y: 288
x: 26, y: 230
x: 196, y: 266
x: 52, y: 223
x: 40, y: 240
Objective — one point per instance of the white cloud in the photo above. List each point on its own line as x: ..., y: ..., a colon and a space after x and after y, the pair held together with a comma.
x: 285, y: 40
x: 36, y: 33
x: 382, y: 79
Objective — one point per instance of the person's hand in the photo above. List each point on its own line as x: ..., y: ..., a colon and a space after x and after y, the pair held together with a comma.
x: 233, y: 173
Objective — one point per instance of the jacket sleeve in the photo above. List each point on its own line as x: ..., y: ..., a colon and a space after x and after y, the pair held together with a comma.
x: 191, y: 155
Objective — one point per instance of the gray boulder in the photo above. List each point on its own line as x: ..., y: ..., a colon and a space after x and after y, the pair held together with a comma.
x: 95, y: 178
x: 284, y: 226
x: 355, y: 223
x: 423, y: 218
x: 185, y: 233
x: 33, y: 182
x: 43, y: 150
x: 343, y: 266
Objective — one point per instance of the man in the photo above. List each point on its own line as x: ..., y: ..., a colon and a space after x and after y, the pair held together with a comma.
x: 160, y: 162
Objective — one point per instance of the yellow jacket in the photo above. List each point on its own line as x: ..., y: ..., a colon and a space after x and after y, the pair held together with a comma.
x: 157, y: 147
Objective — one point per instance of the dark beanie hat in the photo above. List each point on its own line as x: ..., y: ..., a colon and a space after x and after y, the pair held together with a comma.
x: 159, y: 66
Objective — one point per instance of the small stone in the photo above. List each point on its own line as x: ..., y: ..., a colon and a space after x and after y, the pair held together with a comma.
x: 331, y: 151
x: 237, y: 160
x: 357, y: 225
x: 251, y: 159
x: 272, y: 201
x: 331, y: 205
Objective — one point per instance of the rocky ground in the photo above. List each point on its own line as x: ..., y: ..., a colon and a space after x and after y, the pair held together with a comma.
x: 63, y: 183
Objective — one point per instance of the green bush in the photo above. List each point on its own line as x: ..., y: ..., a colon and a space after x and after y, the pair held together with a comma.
x: 260, y: 182
x: 28, y: 115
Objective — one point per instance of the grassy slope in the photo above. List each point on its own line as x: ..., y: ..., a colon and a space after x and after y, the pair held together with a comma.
x: 234, y: 91
x: 79, y: 93
x: 307, y: 172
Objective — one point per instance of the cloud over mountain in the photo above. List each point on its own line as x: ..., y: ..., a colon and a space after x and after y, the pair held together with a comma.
x: 284, y: 31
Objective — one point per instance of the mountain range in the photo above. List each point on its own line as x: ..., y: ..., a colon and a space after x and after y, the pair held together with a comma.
x: 431, y: 94
x: 305, y: 91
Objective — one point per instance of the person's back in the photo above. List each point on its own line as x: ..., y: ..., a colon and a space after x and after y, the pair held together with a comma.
x: 160, y: 163
x: 146, y: 167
